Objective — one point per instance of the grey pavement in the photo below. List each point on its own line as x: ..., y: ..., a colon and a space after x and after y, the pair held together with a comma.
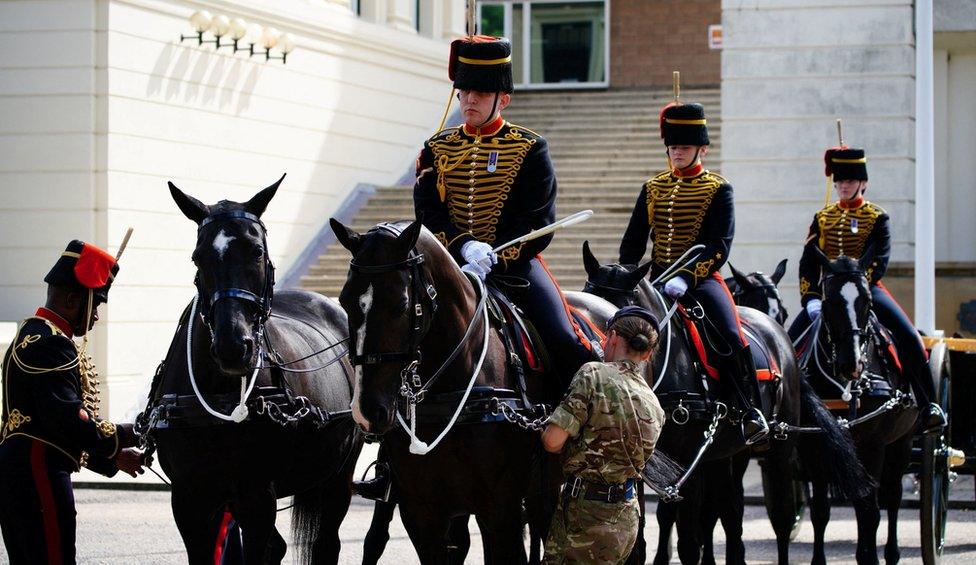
x: 136, y: 527
x: 126, y: 527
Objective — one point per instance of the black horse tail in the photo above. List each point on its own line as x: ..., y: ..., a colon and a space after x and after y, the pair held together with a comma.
x: 306, y: 517
x: 830, y: 455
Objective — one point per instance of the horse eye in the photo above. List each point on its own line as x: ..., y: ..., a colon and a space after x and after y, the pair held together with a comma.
x: 257, y: 253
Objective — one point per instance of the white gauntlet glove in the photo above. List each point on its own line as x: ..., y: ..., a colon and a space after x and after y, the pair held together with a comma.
x: 813, y: 308
x: 479, y: 258
x: 675, y: 287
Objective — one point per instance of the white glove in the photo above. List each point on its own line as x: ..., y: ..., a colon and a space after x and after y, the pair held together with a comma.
x: 479, y: 252
x: 477, y: 269
x: 675, y: 287
x: 813, y: 308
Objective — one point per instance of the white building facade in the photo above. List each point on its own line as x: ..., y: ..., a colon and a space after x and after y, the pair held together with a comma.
x: 103, y: 104
x: 790, y: 68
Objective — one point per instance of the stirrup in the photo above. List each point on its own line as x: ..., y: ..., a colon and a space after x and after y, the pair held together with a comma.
x: 754, y: 417
x: 932, y: 418
x: 378, y: 488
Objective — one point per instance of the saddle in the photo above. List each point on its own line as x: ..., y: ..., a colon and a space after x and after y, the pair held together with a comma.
x: 521, y: 338
x: 697, y: 333
x: 703, y: 340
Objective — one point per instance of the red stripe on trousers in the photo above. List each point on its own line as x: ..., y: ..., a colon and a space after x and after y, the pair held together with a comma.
x: 569, y: 314
x: 49, y: 510
x: 885, y: 290
x: 735, y: 310
x: 222, y: 537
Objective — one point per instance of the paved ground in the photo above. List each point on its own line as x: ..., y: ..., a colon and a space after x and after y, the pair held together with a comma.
x: 125, y: 527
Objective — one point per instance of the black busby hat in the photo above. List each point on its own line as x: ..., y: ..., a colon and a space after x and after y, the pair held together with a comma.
x: 482, y: 63
x: 845, y: 163
x: 84, y: 266
x: 684, y: 124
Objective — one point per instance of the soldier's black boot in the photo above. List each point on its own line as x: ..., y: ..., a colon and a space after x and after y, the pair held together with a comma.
x: 377, y: 488
x: 932, y: 418
x: 742, y: 377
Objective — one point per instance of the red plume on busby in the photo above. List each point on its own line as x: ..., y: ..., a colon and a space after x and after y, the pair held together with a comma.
x: 845, y: 163
x: 84, y: 266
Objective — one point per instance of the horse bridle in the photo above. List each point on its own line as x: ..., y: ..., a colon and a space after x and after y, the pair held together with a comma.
x: 263, y: 301
x: 766, y: 286
x: 852, y: 332
x: 420, y: 287
x: 631, y: 294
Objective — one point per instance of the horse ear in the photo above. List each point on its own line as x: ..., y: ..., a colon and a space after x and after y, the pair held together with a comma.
x: 824, y: 261
x: 779, y: 272
x: 190, y: 206
x: 741, y: 279
x: 641, y: 272
x: 590, y: 262
x: 346, y: 236
x: 259, y: 203
x: 866, y: 258
x: 408, y: 239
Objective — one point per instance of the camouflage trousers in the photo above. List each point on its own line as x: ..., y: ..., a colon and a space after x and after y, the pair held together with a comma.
x: 589, y: 531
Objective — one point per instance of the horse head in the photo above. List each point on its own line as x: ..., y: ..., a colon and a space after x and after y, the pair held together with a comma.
x: 235, y: 276
x: 390, y: 304
x: 613, y: 282
x: 846, y: 311
x: 760, y: 292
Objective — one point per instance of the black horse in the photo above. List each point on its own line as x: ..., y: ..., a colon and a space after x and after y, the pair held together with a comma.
x: 286, y: 438
x: 848, y: 360
x: 420, y: 339
x: 723, y: 494
x: 678, y: 382
x: 759, y: 292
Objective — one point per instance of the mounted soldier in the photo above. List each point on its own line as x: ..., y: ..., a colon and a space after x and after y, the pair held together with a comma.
x: 853, y: 226
x: 682, y: 207
x: 487, y: 182
x: 51, y: 425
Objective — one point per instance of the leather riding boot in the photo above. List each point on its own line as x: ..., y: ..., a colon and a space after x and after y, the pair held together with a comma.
x: 377, y: 488
x: 742, y: 377
x: 932, y: 418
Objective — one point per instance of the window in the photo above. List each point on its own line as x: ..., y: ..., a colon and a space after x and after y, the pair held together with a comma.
x: 555, y: 44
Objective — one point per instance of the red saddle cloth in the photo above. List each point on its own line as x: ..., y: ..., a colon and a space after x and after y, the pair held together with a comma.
x: 766, y: 369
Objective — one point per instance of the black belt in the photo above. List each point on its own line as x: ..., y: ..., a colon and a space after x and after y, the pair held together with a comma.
x: 576, y: 487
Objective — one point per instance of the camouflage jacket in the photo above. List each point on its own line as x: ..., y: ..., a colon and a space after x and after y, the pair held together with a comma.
x: 614, y: 420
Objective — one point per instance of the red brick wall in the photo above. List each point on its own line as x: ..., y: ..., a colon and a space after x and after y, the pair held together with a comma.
x: 651, y: 38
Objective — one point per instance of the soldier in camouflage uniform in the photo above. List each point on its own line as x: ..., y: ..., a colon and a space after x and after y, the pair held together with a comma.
x: 611, y: 420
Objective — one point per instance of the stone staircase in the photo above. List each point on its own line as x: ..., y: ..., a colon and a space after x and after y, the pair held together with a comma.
x: 604, y: 146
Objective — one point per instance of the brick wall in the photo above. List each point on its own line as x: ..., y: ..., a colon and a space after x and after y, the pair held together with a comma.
x: 651, y: 38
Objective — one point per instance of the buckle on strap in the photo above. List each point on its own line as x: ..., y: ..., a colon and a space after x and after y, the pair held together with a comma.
x: 576, y: 487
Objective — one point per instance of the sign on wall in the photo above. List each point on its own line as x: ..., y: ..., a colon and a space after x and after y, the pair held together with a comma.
x: 715, y: 36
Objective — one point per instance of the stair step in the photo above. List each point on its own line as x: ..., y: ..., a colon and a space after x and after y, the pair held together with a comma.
x: 604, y: 144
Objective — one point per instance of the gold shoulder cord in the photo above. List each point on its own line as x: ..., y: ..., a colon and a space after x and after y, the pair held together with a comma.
x: 81, y: 352
x: 443, y: 168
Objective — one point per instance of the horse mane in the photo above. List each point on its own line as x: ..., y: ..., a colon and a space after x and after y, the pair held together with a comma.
x: 845, y: 265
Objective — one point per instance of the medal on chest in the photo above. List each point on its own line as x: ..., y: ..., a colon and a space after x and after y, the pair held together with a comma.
x: 853, y: 225
x: 493, y: 161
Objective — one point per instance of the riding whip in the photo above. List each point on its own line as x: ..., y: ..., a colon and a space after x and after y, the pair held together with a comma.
x: 570, y: 220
